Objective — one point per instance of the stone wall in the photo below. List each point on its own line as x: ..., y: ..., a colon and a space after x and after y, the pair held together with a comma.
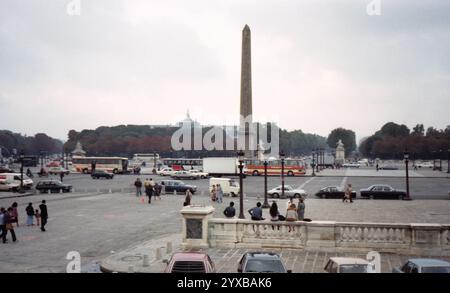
x: 412, y: 239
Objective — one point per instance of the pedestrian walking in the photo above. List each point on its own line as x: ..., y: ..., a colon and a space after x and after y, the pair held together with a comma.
x: 37, y: 214
x: 9, y: 225
x: 3, y: 224
x: 348, y: 194
x: 138, y: 185
x: 301, y: 209
x: 219, y: 194
x: 157, y: 189
x: 213, y: 193
x: 187, y: 200
x: 44, y: 215
x: 15, y: 214
x: 149, y: 192
x: 30, y: 214
x: 61, y: 176
x: 230, y: 211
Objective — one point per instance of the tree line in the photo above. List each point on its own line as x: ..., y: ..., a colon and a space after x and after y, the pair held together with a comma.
x: 30, y: 145
x: 392, y: 140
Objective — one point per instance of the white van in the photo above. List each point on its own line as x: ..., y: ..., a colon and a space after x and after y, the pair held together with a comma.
x: 15, y: 178
x: 229, y: 186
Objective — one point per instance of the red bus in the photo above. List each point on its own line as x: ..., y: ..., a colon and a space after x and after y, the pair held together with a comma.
x: 292, y: 167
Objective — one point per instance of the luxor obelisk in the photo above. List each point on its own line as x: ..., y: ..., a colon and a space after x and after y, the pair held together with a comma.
x: 246, y: 134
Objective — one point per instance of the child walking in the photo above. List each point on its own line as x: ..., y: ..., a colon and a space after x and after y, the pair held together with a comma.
x: 38, y: 218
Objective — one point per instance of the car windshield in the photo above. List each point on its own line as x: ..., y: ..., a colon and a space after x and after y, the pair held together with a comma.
x: 436, y: 270
x: 354, y: 268
x: 263, y: 266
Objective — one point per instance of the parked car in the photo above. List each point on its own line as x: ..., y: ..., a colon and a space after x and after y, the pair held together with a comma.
x: 387, y: 167
x: 178, y: 186
x: 165, y: 172
x: 333, y: 192
x: 6, y: 185
x: 382, y: 191
x: 58, y: 170
x: 102, y: 174
x: 342, y: 265
x: 261, y: 262
x: 289, y: 191
x: 199, y: 174
x: 16, y: 178
x: 53, y: 186
x: 4, y: 169
x: 424, y: 165
x: 229, y: 186
x: 424, y: 265
x: 190, y: 262
x: 351, y: 165
x: 184, y: 175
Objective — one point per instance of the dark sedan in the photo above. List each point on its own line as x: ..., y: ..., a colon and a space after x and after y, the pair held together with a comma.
x: 178, y: 186
x: 54, y: 186
x: 102, y: 174
x: 333, y: 192
x: 382, y: 191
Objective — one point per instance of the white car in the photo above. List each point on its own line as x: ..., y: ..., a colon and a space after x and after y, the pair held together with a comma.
x: 351, y: 165
x: 16, y: 178
x: 342, y: 265
x: 165, y: 172
x: 9, y: 186
x: 199, y: 173
x: 289, y: 191
x: 424, y: 165
x: 58, y: 170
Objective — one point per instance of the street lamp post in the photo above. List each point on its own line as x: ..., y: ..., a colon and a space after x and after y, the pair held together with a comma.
x: 266, y: 203
x: 433, y: 154
x: 21, y: 171
x: 313, y: 164
x: 406, y: 157
x: 241, y: 185
x: 448, y: 161
x: 317, y: 155
x: 440, y: 160
x: 282, y: 157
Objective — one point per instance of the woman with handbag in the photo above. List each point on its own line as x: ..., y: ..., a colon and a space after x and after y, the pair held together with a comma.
x: 9, y: 225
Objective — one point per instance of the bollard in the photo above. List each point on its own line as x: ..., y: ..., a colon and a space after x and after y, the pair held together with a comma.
x: 174, y: 192
x: 158, y: 255
x: 49, y: 191
x: 131, y: 269
x: 110, y: 191
x: 146, y: 260
x: 61, y: 191
x: 169, y: 247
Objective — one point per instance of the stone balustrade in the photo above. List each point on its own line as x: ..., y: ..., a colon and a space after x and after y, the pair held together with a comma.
x: 412, y: 239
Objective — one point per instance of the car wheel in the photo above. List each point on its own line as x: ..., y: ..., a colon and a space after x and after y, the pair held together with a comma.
x: 255, y: 173
x: 297, y: 195
x: 323, y: 196
x: 370, y: 196
x: 290, y: 174
x: 202, y: 177
x: 85, y: 171
x: 401, y: 197
x: 276, y: 195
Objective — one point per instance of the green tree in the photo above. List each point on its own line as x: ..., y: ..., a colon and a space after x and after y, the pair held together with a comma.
x: 346, y: 135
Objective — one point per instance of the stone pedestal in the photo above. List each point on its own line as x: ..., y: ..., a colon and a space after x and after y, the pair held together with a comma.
x: 195, y: 226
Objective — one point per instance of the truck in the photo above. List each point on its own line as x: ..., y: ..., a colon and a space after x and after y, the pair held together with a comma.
x: 221, y: 166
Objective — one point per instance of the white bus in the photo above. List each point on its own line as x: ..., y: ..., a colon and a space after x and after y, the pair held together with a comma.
x: 178, y: 164
x: 146, y: 160
x: 116, y: 165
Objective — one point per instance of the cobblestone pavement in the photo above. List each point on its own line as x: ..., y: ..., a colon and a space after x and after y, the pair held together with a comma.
x: 100, y: 225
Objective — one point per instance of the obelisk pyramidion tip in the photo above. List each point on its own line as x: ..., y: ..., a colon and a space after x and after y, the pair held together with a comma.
x: 246, y: 27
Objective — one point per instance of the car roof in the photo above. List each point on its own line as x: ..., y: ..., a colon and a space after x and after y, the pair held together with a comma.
x: 262, y: 255
x: 429, y: 262
x: 349, y: 260
x: 189, y: 256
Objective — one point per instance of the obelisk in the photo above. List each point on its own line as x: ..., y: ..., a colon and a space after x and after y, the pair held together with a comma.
x: 246, y: 120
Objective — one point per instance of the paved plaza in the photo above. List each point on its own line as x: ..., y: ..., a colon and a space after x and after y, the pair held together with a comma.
x: 100, y: 225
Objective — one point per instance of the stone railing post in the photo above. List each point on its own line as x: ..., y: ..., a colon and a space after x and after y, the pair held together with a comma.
x: 195, y: 226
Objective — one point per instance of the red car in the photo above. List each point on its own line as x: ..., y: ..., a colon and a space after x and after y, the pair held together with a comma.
x: 190, y: 262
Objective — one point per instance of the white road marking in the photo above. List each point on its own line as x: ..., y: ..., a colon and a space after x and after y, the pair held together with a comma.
x: 304, y: 184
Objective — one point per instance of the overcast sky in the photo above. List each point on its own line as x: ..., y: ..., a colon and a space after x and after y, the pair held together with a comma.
x: 317, y: 65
